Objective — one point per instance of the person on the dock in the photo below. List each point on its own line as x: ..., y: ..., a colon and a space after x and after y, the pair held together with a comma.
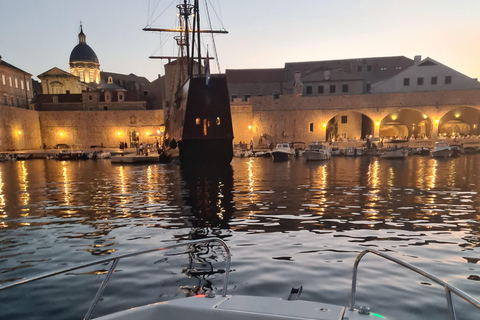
x: 140, y: 148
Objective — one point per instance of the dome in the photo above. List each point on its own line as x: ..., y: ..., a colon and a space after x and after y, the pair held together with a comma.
x: 83, y: 52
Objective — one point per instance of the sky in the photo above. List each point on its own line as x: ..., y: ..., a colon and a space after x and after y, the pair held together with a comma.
x: 36, y: 36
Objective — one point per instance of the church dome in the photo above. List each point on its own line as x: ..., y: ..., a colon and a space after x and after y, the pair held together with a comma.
x: 82, y: 51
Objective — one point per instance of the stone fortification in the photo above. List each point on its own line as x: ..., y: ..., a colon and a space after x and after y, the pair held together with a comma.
x: 23, y: 129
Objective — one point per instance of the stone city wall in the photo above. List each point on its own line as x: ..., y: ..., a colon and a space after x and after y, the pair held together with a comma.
x: 19, y: 129
x: 89, y: 128
x: 23, y: 129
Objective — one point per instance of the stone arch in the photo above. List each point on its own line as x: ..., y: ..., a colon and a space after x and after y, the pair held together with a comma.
x: 463, y: 121
x: 406, y: 123
x: 349, y: 125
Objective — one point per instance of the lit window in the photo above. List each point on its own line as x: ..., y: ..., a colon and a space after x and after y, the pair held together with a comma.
x: 10, y: 81
x: 92, y: 77
x: 218, y: 121
x: 16, y: 83
x: 3, y: 79
x: 28, y: 86
x: 198, y: 121
x: 82, y: 76
x: 22, y: 85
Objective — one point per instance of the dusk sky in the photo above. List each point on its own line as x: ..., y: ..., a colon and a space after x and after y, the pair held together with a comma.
x: 36, y: 36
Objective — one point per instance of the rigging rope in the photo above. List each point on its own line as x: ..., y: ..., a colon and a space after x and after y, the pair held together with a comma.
x: 213, y: 38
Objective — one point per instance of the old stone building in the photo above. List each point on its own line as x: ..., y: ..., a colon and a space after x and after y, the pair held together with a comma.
x: 15, y: 86
x: 57, y: 81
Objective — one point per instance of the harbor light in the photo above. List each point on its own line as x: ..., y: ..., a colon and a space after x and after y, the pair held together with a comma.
x: 61, y: 133
x: 19, y: 132
x: 250, y: 127
x: 146, y: 133
x: 118, y: 133
x: 158, y: 131
x: 325, y: 125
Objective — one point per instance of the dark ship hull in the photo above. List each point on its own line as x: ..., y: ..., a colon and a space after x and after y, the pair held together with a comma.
x: 202, y: 122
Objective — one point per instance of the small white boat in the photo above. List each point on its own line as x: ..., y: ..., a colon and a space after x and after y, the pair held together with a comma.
x: 317, y: 152
x: 210, y: 306
x: 394, y: 153
x: 353, y: 152
x: 282, y: 152
x: 441, y: 150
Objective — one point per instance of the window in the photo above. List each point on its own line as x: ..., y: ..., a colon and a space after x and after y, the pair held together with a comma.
x: 247, y: 96
x: 359, y: 69
x: 218, y: 121
x: 198, y: 121
x: 332, y: 88
x: 448, y: 79
x: 18, y: 102
x: 67, y: 92
x: 369, y: 86
x: 5, y: 100
x: 82, y: 76
x: 90, y: 97
x: 345, y: 88
x: 22, y: 85
x: 344, y: 119
x: 11, y: 102
x: 234, y: 96
x: 434, y: 80
x: 320, y: 90
x: 92, y: 76
x: 16, y: 83
x: 108, y: 97
x: 420, y: 81
x: 308, y: 89
x: 28, y: 87
x: 55, y: 99
x: 276, y: 96
x: 10, y: 81
x: 406, y: 82
x: 105, y: 108
x: 120, y: 97
x: 3, y: 79
x: 311, y: 127
x: 369, y: 68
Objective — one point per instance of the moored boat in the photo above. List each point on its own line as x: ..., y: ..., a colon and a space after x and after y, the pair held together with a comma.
x: 317, y: 152
x: 394, y: 153
x: 441, y: 150
x: 72, y: 153
x: 282, y: 152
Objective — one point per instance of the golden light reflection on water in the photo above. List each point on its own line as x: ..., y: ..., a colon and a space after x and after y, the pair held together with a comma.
x: 123, y: 189
x: 373, y: 183
x: 432, y: 173
x: 66, y: 184
x: 3, y: 214
x: 251, y: 183
x: 24, y: 194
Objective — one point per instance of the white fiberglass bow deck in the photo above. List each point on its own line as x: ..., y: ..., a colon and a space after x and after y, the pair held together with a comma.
x: 209, y: 306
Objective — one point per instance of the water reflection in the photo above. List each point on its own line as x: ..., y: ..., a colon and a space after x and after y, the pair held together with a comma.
x: 208, y: 193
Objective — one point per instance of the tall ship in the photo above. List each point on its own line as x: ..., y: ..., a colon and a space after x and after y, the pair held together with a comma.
x: 197, y: 107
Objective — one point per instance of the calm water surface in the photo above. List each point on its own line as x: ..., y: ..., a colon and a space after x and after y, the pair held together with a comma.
x: 290, y: 223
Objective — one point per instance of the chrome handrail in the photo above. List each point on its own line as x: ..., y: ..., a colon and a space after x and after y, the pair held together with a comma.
x: 128, y: 255
x: 448, y: 287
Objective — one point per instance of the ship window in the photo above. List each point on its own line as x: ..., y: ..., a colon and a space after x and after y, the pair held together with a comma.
x: 204, y: 127
x: 311, y: 127
x: 198, y: 121
x: 218, y: 121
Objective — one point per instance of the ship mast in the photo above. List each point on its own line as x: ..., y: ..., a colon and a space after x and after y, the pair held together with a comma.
x: 187, y: 44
